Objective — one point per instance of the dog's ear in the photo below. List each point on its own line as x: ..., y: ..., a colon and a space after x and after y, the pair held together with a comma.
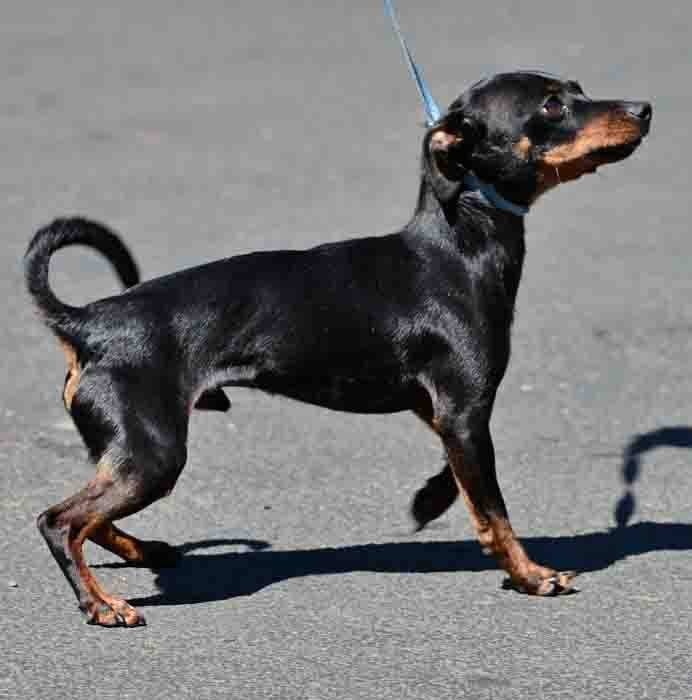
x: 447, y: 148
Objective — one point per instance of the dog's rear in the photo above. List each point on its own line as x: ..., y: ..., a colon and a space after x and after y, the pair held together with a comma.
x: 67, y: 322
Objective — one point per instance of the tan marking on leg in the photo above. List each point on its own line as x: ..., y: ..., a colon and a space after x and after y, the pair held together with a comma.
x: 74, y: 372
x: 495, y: 532
x: 118, y: 607
x: 77, y: 518
x: 115, y: 540
x: 105, y: 467
x: 496, y: 537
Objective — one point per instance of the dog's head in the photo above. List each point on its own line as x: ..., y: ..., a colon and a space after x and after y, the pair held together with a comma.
x: 525, y: 133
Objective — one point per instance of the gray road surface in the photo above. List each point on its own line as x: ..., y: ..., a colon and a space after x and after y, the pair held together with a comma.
x: 204, y: 129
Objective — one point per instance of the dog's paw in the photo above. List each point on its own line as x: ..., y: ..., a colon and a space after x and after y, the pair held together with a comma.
x: 116, y: 614
x: 557, y: 583
x: 431, y: 501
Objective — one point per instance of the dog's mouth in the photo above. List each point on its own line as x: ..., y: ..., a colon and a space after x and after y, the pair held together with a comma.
x: 593, y: 160
x: 610, y: 138
x: 615, y: 153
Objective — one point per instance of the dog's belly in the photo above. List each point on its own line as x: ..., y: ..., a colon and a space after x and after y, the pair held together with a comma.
x: 361, y: 394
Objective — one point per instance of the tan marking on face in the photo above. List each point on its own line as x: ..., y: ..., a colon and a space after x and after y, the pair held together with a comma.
x: 552, y: 176
x: 74, y: 371
x: 605, y: 131
x: 523, y: 147
x: 571, y: 160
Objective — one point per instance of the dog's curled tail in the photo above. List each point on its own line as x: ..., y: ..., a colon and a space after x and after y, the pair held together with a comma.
x: 63, y: 319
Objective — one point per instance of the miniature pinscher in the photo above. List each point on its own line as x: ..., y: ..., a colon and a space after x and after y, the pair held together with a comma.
x: 418, y: 320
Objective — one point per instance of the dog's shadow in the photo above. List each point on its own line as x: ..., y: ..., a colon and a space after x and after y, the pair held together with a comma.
x: 227, y: 574
x: 201, y: 578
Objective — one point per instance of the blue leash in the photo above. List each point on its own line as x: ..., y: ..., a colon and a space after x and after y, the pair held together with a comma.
x: 432, y: 111
x: 484, y: 189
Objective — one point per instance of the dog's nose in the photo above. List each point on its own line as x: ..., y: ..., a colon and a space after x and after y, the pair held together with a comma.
x: 641, y: 110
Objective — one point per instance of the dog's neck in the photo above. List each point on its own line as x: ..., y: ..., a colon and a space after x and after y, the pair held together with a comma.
x: 467, y: 229
x: 472, y: 183
x: 468, y: 211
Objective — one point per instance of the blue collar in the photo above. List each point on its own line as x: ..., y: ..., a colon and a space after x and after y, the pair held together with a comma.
x: 487, y: 192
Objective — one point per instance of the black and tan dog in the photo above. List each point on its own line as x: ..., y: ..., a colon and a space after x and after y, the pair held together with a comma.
x: 418, y: 320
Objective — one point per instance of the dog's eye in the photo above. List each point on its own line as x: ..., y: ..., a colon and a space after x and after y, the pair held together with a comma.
x: 554, y: 109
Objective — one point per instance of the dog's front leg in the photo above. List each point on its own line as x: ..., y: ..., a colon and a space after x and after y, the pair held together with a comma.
x: 467, y: 441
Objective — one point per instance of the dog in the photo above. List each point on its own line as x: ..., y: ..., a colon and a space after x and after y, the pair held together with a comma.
x: 418, y: 320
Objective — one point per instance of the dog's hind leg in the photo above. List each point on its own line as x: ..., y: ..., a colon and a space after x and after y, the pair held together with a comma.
x: 151, y: 553
x: 137, y: 463
x: 116, y: 492
x: 66, y: 526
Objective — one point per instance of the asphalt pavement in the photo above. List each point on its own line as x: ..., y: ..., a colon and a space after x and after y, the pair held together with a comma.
x: 201, y: 130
